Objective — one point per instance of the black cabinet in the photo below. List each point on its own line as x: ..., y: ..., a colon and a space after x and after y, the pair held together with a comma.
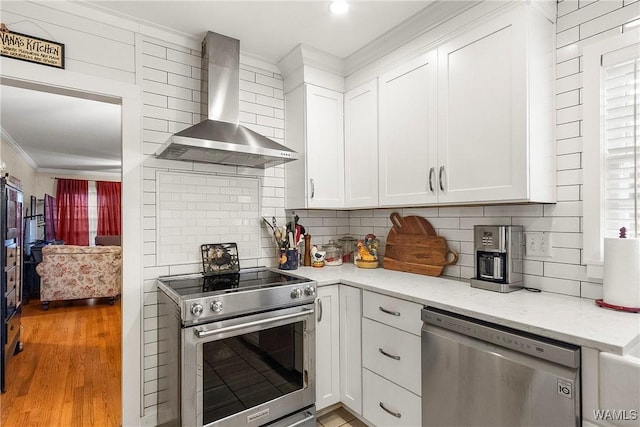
x: 11, y: 272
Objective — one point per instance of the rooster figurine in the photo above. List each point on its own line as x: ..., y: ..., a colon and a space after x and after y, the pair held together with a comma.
x: 219, y: 258
x: 367, y: 256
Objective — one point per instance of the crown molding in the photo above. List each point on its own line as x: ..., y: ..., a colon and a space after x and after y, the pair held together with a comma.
x: 115, y: 176
x: 433, y: 15
x: 6, y: 137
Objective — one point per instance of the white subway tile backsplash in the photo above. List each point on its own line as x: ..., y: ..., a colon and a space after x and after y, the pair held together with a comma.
x: 183, y: 81
x: 568, y: 193
x: 567, y: 240
x: 569, y: 177
x: 568, y: 146
x: 568, y: 68
x: 273, y: 82
x: 552, y: 284
x: 565, y: 271
x: 257, y: 88
x: 587, y: 13
x: 569, y: 161
x: 563, y: 224
x: 184, y: 58
x: 514, y: 210
x: 567, y: 6
x: 610, y: 20
x: 469, y: 223
x: 569, y: 114
x: 570, y: 82
x: 156, y: 88
x: 269, y: 101
x: 533, y: 267
x: 567, y: 37
x: 564, y: 209
x: 154, y: 74
x: 251, y: 107
x: 568, y: 130
x: 168, y: 66
x: 153, y: 49
x: 460, y: 211
x: 591, y: 290
x: 568, y: 99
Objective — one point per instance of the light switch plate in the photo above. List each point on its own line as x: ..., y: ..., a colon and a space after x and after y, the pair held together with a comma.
x: 538, y: 243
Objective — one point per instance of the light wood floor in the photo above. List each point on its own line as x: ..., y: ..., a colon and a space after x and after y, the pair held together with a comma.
x: 69, y: 373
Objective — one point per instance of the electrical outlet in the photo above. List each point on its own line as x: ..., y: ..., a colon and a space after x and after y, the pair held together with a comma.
x: 538, y: 244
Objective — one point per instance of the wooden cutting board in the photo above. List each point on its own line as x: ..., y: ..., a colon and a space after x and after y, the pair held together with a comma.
x: 413, y: 246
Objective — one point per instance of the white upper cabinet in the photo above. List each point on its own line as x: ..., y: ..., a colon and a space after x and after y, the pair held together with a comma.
x: 408, y: 132
x: 361, y: 146
x: 314, y: 128
x: 495, y: 117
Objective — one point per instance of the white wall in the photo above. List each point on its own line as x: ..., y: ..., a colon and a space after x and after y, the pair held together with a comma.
x: 17, y: 167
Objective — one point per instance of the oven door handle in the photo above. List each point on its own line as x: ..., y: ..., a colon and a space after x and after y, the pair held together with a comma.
x: 200, y: 333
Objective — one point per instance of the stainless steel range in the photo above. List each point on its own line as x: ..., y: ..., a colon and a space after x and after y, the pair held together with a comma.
x: 236, y: 349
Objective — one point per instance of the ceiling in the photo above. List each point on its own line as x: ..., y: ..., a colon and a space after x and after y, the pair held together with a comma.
x: 61, y: 132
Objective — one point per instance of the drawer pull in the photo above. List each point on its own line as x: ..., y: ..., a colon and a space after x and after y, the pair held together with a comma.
x: 395, y: 414
x: 393, y: 313
x: 390, y: 356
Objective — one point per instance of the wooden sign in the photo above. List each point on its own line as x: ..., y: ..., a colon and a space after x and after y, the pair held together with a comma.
x: 31, y: 49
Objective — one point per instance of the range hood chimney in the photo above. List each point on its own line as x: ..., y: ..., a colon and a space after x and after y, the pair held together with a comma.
x: 220, y: 139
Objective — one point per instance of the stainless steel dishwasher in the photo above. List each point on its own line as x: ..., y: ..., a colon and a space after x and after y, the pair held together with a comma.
x: 476, y: 373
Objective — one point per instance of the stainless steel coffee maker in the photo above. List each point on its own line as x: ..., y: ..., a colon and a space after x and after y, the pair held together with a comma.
x: 498, y: 257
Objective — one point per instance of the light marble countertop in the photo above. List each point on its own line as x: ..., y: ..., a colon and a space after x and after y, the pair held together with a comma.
x: 571, y: 319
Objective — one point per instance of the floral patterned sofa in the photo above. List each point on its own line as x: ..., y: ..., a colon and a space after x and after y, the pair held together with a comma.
x: 69, y: 272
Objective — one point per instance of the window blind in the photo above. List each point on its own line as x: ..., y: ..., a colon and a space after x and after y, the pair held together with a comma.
x: 621, y: 148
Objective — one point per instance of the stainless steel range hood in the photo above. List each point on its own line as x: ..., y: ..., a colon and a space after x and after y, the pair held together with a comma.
x: 220, y: 139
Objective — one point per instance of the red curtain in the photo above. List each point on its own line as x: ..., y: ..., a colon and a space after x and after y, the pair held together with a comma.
x: 109, y: 208
x: 73, y: 211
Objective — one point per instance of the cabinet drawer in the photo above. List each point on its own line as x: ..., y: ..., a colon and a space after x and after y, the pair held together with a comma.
x: 379, y: 393
x: 392, y: 353
x: 13, y: 330
x: 392, y: 311
x: 11, y: 257
x: 11, y: 280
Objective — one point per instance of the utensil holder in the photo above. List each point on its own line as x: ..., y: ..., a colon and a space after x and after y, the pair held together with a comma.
x: 288, y: 259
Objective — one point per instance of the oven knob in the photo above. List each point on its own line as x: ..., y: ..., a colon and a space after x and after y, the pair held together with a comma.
x: 196, y: 309
x: 296, y: 293
x: 216, y: 306
x: 309, y: 291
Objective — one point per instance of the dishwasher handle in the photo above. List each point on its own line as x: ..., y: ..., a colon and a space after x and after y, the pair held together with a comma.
x: 522, y: 342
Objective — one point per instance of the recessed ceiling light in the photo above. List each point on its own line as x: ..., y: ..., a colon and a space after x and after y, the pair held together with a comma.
x: 339, y: 7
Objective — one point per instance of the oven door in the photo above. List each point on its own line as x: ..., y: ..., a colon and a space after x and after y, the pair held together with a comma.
x: 250, y: 370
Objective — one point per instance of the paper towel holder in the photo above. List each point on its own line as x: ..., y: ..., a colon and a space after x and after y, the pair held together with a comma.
x: 600, y: 302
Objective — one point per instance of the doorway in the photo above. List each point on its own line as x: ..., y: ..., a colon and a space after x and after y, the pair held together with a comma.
x: 16, y: 73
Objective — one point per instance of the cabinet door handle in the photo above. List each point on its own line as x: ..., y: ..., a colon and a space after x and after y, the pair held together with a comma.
x: 319, y: 310
x: 390, y: 356
x: 440, y: 177
x: 313, y: 188
x: 390, y: 412
x: 393, y: 313
x: 431, y: 172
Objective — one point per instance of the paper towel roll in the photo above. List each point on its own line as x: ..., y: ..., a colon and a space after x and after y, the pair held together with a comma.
x: 621, y: 284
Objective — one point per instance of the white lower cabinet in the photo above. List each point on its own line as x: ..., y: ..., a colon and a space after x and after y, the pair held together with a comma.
x: 391, y: 349
x: 327, y: 345
x: 392, y: 353
x: 350, y: 348
x: 387, y: 404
